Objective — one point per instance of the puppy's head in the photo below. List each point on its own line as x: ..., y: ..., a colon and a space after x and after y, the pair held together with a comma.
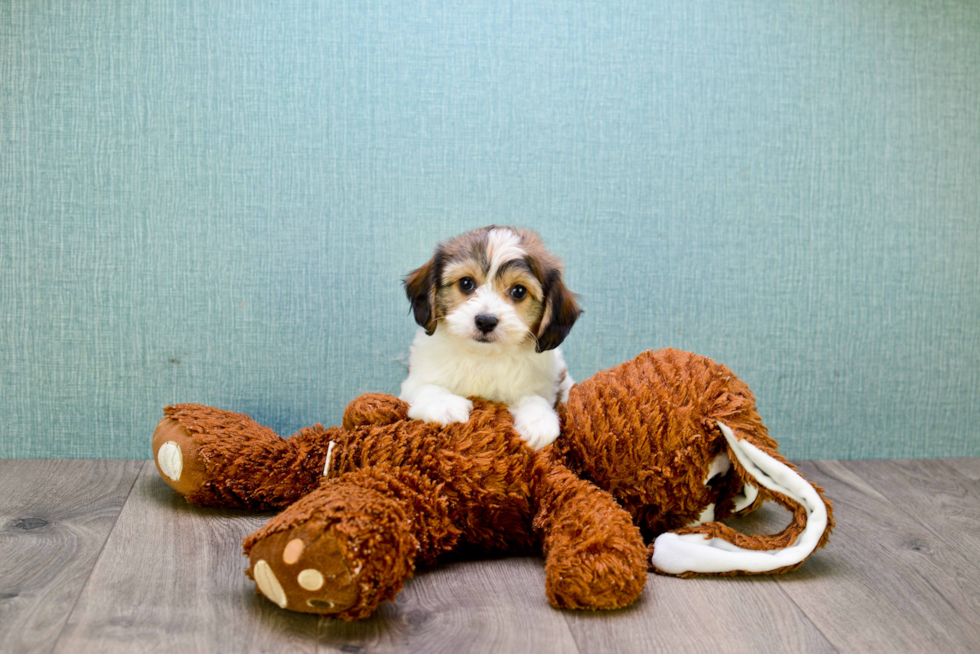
x: 495, y: 285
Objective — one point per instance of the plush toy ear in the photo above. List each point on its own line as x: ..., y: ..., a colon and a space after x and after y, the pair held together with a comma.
x: 560, y: 313
x: 715, y: 548
x: 420, y: 287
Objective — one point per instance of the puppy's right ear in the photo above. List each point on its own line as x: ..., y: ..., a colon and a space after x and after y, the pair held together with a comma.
x: 420, y: 287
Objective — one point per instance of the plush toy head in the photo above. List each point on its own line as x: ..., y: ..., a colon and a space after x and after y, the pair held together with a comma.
x: 676, y: 439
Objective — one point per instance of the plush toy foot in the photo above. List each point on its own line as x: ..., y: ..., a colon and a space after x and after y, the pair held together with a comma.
x: 596, y: 576
x: 350, y: 544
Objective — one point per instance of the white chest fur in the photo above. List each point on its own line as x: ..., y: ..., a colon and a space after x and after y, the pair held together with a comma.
x: 501, y: 374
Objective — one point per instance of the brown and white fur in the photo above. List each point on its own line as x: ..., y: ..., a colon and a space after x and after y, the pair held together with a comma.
x: 493, y: 310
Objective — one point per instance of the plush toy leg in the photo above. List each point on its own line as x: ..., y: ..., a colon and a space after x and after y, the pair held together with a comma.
x: 351, y: 544
x: 219, y: 458
x: 714, y: 548
x: 595, y: 557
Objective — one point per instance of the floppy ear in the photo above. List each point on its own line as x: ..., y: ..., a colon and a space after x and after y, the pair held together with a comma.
x: 560, y: 313
x: 420, y: 287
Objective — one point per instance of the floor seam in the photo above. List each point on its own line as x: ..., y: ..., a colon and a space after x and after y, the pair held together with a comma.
x: 568, y: 627
x: 98, y: 558
x: 775, y: 581
x: 962, y: 475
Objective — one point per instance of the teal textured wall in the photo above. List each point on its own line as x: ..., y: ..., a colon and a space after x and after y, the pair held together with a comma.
x: 215, y: 202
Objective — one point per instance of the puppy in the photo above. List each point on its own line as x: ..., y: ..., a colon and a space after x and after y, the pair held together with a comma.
x: 492, y: 309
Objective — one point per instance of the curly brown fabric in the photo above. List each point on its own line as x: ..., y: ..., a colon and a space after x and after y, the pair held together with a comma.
x: 369, y: 501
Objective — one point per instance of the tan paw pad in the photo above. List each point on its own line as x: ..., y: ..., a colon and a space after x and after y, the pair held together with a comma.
x: 294, y: 550
x: 310, y: 579
x: 266, y: 580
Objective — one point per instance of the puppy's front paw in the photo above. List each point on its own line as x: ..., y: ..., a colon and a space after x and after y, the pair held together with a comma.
x: 444, y: 410
x: 536, y: 422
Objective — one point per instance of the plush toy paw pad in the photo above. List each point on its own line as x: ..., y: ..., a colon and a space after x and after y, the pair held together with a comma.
x: 310, y: 579
x: 267, y: 582
x: 292, y: 552
x: 170, y: 460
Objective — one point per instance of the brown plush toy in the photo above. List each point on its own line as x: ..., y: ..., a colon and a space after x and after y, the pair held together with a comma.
x: 658, y: 447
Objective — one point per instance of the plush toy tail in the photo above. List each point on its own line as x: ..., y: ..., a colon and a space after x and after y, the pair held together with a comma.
x: 714, y: 548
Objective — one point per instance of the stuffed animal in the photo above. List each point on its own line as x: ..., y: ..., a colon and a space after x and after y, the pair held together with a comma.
x: 658, y: 448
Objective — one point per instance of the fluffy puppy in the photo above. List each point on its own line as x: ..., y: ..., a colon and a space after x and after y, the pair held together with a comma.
x: 492, y: 310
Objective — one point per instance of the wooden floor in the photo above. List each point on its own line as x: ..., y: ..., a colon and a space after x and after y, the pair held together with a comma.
x: 100, y: 556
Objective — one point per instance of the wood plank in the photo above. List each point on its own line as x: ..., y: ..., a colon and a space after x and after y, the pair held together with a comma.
x: 170, y: 579
x: 496, y: 605
x: 55, y: 517
x: 885, y: 583
x: 706, y: 614
x: 969, y: 468
x: 730, y: 614
x: 930, y: 491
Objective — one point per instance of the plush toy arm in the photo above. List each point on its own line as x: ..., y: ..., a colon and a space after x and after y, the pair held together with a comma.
x: 375, y: 409
x: 220, y: 458
x: 594, y: 554
x: 714, y: 548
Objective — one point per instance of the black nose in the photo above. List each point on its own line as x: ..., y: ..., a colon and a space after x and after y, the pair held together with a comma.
x: 485, y: 322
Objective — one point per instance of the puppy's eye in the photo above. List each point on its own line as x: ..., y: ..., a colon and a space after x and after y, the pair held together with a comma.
x: 518, y: 292
x: 466, y: 284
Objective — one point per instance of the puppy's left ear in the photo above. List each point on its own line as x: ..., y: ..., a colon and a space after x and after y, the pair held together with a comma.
x: 420, y: 287
x: 560, y: 313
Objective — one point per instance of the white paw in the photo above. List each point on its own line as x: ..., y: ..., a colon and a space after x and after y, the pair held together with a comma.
x: 537, y: 425
x: 444, y: 410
